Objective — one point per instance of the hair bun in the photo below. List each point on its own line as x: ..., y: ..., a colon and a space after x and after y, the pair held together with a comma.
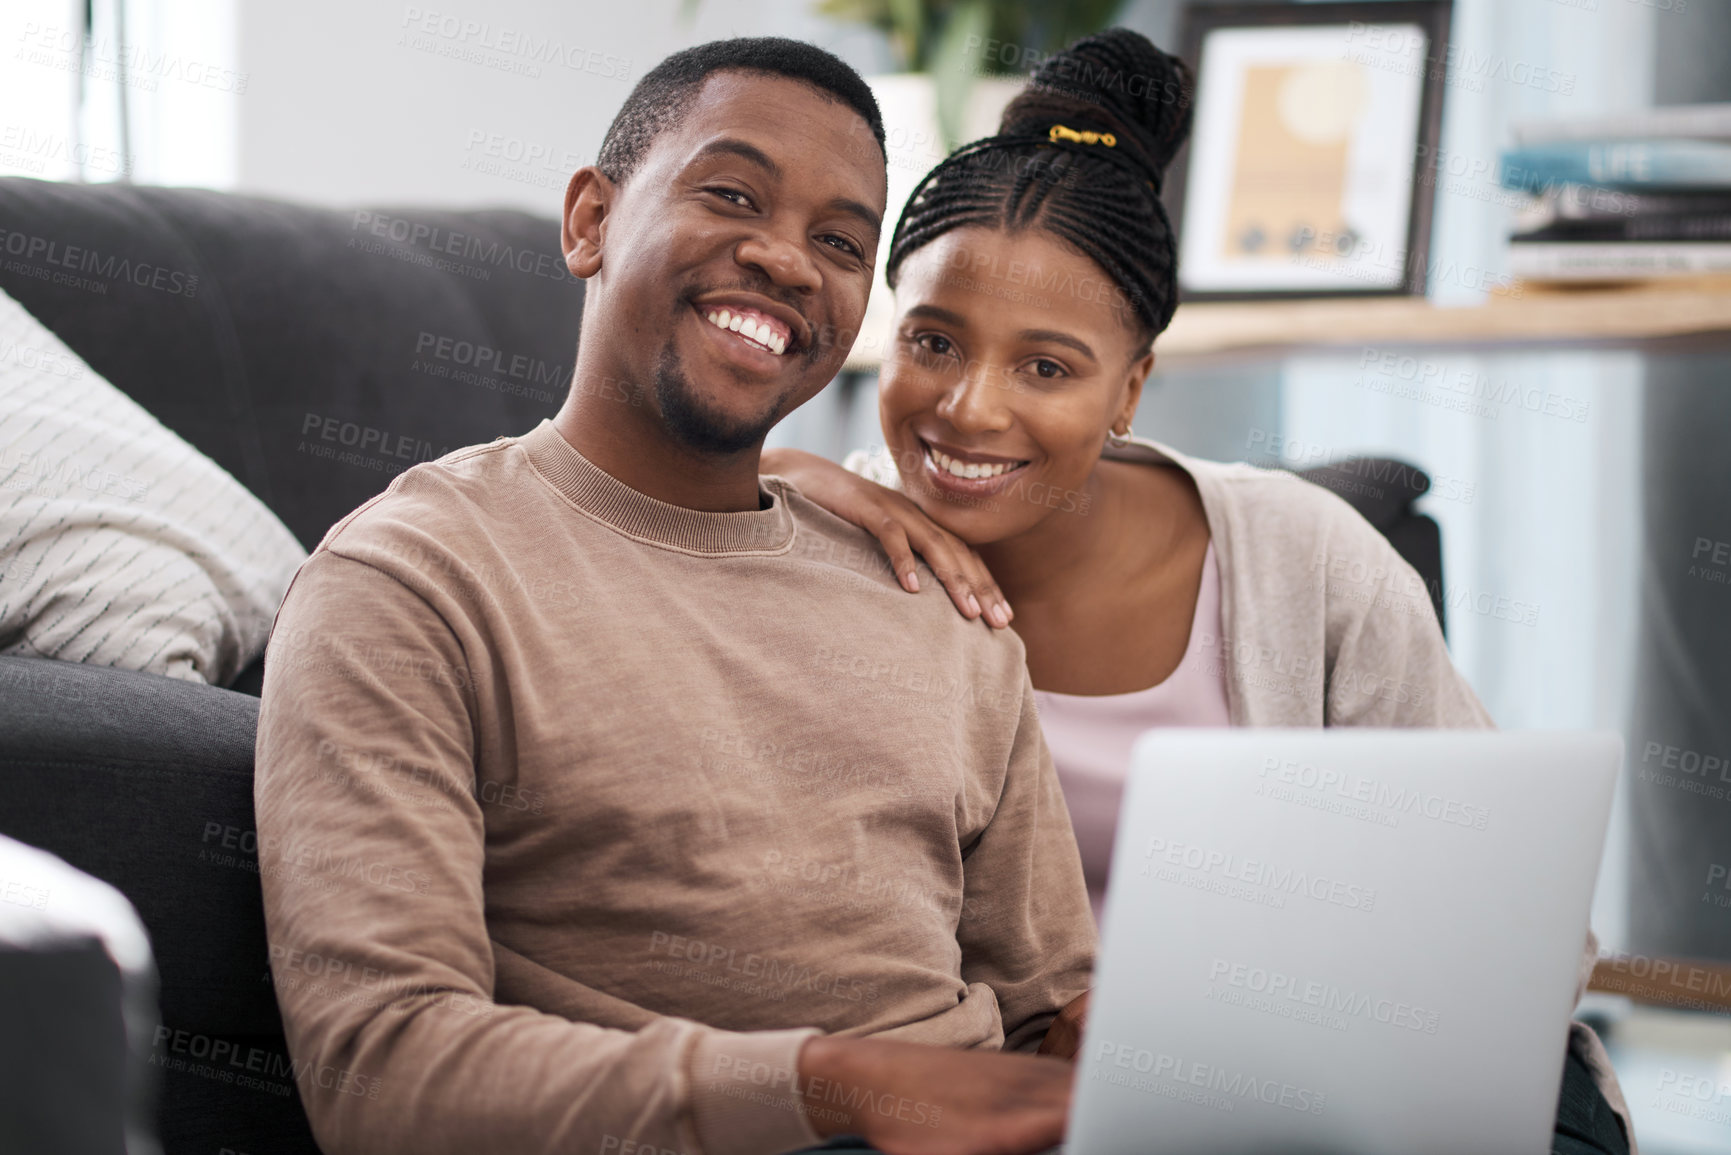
x: 1115, y: 81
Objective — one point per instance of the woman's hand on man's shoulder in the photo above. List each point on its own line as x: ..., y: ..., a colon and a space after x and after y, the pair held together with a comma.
x: 902, y: 529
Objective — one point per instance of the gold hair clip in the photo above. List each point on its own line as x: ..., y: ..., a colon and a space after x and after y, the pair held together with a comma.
x: 1061, y: 132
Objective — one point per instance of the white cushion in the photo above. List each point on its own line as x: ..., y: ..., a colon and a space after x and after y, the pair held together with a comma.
x: 121, y: 544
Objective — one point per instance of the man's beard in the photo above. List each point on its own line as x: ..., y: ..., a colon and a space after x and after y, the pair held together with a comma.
x: 696, y: 426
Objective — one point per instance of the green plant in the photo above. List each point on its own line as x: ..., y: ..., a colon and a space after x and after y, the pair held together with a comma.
x: 955, y: 41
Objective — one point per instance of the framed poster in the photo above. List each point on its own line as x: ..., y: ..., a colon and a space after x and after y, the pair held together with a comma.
x: 1305, y: 173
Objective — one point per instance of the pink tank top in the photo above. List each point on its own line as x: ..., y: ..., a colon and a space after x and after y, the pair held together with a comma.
x: 1090, y: 735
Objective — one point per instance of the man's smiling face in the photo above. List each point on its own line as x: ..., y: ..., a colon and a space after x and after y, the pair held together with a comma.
x: 736, y: 260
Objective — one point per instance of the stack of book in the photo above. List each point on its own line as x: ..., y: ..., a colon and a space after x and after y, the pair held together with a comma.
x: 1623, y: 197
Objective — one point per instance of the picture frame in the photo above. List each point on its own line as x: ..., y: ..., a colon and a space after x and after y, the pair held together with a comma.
x: 1307, y: 171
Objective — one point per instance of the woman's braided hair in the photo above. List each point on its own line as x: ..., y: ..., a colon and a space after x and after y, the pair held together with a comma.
x: 1103, y: 201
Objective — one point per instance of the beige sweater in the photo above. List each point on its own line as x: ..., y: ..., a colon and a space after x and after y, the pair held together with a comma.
x: 578, y: 813
x: 1325, y: 624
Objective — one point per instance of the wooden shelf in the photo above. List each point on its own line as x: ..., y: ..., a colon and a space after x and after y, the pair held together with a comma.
x: 1627, y: 314
x: 1526, y: 315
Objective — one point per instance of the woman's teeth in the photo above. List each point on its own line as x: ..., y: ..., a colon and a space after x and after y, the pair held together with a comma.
x: 967, y: 469
x: 754, y: 331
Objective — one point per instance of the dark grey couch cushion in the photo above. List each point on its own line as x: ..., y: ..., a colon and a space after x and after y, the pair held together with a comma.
x: 146, y: 783
x: 312, y: 353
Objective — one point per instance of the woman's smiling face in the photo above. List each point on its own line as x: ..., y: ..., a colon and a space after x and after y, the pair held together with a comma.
x: 1013, y: 357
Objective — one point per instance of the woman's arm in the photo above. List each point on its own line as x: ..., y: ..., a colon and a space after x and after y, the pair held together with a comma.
x: 902, y: 529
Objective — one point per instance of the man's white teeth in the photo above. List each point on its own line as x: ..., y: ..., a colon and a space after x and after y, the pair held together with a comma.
x: 759, y: 332
x: 964, y: 468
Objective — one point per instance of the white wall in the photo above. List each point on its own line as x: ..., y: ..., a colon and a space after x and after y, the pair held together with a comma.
x: 467, y: 102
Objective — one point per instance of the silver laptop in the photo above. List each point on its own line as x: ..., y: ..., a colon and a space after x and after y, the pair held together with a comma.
x: 1354, y: 942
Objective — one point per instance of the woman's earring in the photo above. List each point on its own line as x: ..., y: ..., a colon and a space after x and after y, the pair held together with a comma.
x: 1119, y: 440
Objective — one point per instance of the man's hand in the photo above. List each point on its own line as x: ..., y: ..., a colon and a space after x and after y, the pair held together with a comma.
x: 910, y: 1099
x: 1064, y: 1037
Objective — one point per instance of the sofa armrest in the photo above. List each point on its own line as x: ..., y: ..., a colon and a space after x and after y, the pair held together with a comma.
x: 146, y: 783
x: 1382, y: 489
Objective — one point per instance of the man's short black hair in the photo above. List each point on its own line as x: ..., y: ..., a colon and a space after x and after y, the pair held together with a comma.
x: 662, y: 97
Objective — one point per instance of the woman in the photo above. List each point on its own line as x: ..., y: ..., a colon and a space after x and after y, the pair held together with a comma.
x: 1033, y: 271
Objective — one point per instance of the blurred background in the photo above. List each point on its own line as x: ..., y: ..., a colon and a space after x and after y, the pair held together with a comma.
x: 1581, y: 496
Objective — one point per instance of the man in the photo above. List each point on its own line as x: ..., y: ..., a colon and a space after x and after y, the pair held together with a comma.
x: 612, y: 800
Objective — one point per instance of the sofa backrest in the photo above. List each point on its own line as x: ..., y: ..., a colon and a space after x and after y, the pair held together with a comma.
x: 312, y: 353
